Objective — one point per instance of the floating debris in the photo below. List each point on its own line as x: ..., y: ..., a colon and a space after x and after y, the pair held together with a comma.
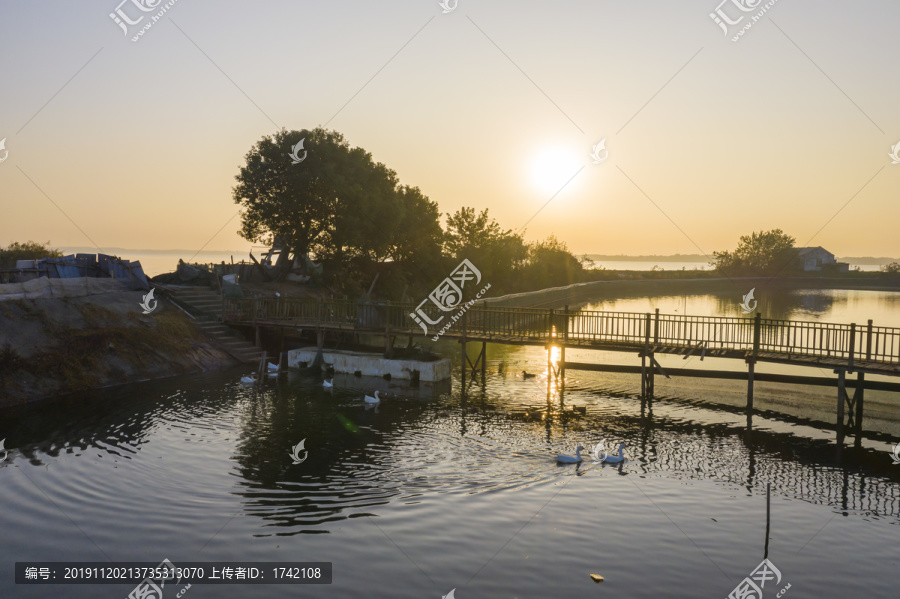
x: 597, y: 578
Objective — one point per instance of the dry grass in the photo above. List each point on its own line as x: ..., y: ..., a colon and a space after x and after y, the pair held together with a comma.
x: 80, y: 356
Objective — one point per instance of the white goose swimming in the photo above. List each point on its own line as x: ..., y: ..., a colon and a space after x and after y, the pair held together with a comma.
x: 373, y: 401
x: 328, y: 384
x: 618, y: 457
x: 568, y: 459
x: 248, y: 380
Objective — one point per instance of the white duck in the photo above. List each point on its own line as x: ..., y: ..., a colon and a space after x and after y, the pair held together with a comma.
x: 617, y: 458
x: 568, y: 459
x: 273, y: 367
x: 328, y: 384
x: 373, y: 401
x: 248, y: 380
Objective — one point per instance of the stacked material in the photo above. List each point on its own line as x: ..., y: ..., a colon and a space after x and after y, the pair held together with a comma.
x: 54, y: 288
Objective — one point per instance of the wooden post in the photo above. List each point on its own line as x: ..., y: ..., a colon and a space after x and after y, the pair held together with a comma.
x: 860, y: 392
x: 562, y: 351
x: 751, y: 362
x: 869, y: 340
x: 852, y: 347
x: 462, y: 345
x: 656, y: 329
x: 388, y: 342
x: 483, y: 360
x: 842, y: 396
x: 751, y: 366
x: 644, y: 357
x: 756, y: 333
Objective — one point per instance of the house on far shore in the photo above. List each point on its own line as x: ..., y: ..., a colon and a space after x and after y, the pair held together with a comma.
x: 819, y: 259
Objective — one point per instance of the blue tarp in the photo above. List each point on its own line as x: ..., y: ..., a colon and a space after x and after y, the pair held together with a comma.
x: 83, y: 265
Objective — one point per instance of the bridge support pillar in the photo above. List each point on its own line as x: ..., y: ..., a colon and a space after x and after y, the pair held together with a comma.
x: 751, y: 368
x: 858, y: 395
x: 562, y: 365
x: 483, y: 358
x: 842, y: 398
x: 463, y: 359
x: 647, y: 375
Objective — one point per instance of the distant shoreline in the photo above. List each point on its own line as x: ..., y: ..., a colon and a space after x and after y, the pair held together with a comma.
x: 701, y: 259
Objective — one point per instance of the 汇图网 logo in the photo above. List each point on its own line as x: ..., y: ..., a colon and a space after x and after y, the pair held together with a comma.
x: 124, y: 20
x: 600, y: 153
x: 752, y: 586
x: 895, y: 152
x: 295, y: 152
x: 448, y: 296
x: 746, y: 304
x: 145, y: 303
x: 295, y: 452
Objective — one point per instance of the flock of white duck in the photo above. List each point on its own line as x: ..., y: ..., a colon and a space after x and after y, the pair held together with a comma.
x: 370, y: 402
x: 616, y: 458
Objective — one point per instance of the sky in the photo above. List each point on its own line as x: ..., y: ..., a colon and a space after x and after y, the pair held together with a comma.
x: 497, y: 105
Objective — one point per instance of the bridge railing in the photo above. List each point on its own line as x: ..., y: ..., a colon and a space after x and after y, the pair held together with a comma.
x: 828, y: 340
x: 596, y: 326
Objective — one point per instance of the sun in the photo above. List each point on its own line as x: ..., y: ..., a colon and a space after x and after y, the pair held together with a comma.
x: 553, y: 167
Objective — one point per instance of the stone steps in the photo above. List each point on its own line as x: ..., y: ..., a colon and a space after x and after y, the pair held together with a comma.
x: 205, y: 305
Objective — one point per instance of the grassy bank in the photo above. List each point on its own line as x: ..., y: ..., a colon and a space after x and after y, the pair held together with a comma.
x: 50, y: 347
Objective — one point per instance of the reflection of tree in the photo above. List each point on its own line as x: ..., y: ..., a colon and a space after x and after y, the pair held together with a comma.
x: 782, y: 304
x: 351, y: 465
x: 114, y: 421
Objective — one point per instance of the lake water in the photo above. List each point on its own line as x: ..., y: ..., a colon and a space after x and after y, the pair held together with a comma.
x: 443, y: 489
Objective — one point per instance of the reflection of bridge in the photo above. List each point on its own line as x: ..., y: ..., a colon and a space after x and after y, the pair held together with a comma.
x: 845, y: 348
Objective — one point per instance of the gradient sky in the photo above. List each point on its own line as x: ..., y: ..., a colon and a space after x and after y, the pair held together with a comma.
x: 493, y: 105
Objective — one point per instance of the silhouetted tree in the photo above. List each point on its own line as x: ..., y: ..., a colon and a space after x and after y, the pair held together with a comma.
x: 763, y: 253
x: 335, y: 202
x: 28, y: 250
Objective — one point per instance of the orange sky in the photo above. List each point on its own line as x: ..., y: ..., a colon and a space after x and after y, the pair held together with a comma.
x: 136, y: 144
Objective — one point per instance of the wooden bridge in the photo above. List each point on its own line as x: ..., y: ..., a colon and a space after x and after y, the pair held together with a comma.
x: 843, y: 348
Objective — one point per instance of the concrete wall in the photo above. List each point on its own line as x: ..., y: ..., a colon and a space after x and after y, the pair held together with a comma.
x: 348, y: 362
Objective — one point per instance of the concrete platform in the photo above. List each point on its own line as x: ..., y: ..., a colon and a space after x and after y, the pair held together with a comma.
x: 348, y: 362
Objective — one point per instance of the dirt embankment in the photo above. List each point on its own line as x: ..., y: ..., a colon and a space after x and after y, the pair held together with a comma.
x: 54, y: 346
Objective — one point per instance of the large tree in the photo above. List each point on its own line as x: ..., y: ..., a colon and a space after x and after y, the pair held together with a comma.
x: 496, y: 252
x: 550, y: 263
x: 763, y: 253
x: 335, y: 201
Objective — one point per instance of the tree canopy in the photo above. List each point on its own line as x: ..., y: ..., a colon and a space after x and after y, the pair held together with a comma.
x: 28, y: 250
x: 335, y: 203
x: 763, y: 253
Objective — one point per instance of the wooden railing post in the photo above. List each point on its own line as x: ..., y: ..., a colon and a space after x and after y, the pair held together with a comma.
x: 756, y: 332
x: 869, y: 340
x: 562, y: 351
x: 656, y: 328
x: 852, y: 345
